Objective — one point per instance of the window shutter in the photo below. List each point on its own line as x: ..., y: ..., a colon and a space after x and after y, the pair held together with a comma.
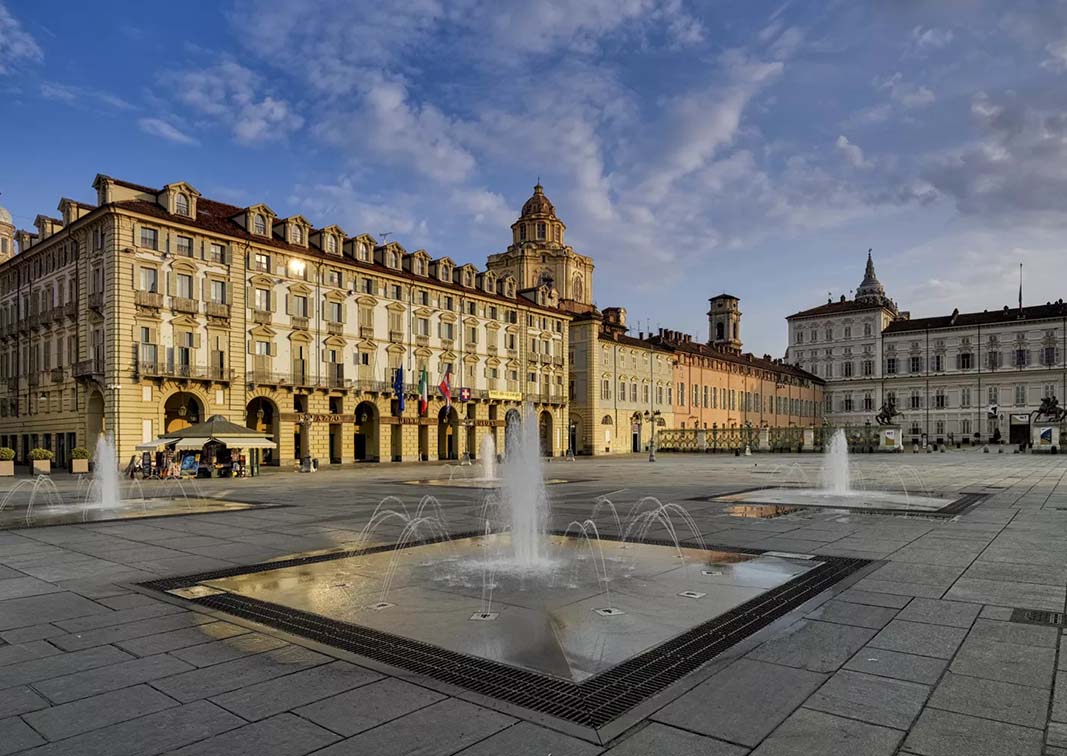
x: 153, y: 335
x: 251, y: 346
x: 196, y: 339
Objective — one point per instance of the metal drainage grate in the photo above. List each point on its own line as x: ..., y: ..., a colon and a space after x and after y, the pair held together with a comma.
x: 594, y: 702
x: 1039, y: 617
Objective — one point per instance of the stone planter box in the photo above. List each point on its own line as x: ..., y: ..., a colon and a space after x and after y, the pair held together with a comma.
x: 79, y: 466
x: 7, y: 468
x: 42, y: 466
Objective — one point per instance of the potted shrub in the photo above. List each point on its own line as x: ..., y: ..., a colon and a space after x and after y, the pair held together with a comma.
x: 42, y: 461
x: 79, y: 460
x: 7, y: 462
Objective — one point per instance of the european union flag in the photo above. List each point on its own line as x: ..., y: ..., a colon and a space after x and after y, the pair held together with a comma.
x: 398, y: 389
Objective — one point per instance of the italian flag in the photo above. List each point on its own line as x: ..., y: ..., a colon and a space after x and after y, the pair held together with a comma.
x: 424, y: 392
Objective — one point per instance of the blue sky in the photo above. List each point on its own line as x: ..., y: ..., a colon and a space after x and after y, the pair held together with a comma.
x: 691, y: 147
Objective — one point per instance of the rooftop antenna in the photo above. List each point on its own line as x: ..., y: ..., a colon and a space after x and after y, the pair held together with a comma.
x: 385, y: 235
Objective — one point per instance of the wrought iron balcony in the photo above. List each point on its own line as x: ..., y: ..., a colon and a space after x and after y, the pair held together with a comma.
x: 88, y: 368
x: 177, y: 370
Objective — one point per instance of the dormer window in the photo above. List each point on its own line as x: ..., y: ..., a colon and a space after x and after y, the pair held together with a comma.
x: 181, y: 204
x: 296, y: 235
x: 446, y: 273
x: 419, y: 267
x: 361, y: 252
x: 390, y: 260
x: 331, y: 244
x: 467, y: 279
x: 260, y: 225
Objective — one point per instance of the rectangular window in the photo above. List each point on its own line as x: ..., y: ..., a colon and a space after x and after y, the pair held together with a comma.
x: 846, y: 369
x: 335, y: 312
x: 149, y: 238
x: 216, y: 253
x: 262, y: 300
x: 939, y: 399
x: 1022, y: 357
x: 446, y: 303
x: 422, y: 326
x: 1048, y: 356
x: 149, y: 279
x: 218, y: 292
x: 185, y: 285
x: 994, y: 395
x: 472, y: 334
x: 890, y: 365
x: 1020, y: 396
x: 916, y: 364
x: 395, y: 292
x: 965, y: 396
x: 184, y: 246
x: 448, y: 331
x: 966, y: 361
x: 262, y: 262
x: 965, y: 426
x: 368, y: 286
x: 868, y: 368
x: 939, y: 363
x: 681, y: 394
x: 299, y: 304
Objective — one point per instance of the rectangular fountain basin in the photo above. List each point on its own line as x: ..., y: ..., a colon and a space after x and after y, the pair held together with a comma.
x: 47, y: 513
x: 874, y: 502
x: 554, y: 643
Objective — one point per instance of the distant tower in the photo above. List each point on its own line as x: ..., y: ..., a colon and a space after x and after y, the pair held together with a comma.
x: 7, y: 235
x: 871, y: 289
x: 724, y: 323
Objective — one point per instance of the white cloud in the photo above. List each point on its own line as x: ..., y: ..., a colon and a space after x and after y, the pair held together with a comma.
x: 931, y: 38
x: 165, y: 130
x: 16, y: 44
x: 234, y: 95
x: 73, y: 95
x: 906, y: 93
x: 853, y: 153
x: 1057, y: 56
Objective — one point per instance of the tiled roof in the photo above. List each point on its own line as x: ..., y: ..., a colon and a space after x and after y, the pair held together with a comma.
x: 835, y: 308
x: 989, y: 317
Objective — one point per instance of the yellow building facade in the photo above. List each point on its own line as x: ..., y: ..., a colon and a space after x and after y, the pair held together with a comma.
x: 157, y: 308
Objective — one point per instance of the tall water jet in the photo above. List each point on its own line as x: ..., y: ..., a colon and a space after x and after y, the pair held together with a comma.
x: 523, y: 492
x: 835, y: 475
x: 105, y: 475
x: 487, y: 452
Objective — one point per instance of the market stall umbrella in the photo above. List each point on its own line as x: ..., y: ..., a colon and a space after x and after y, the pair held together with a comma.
x: 219, y: 429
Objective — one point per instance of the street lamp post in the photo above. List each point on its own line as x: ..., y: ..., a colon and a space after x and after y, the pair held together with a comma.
x: 653, y: 418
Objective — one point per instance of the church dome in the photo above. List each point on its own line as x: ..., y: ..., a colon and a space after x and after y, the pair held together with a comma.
x: 538, y: 204
x: 5, y: 216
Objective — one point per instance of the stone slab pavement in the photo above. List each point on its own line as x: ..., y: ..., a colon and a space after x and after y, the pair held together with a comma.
x: 917, y: 657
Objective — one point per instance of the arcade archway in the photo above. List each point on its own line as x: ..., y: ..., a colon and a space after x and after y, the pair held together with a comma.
x: 181, y: 410
x: 261, y: 415
x: 544, y: 432
x: 365, y: 444
x: 448, y: 433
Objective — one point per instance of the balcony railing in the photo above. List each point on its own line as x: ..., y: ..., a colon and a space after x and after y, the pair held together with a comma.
x: 338, y: 381
x: 492, y: 349
x: 70, y: 309
x: 366, y: 332
x: 335, y: 328
x: 218, y: 310
x: 96, y: 300
x: 88, y: 368
x: 557, y: 360
x: 396, y: 337
x: 422, y: 340
x: 513, y: 354
x: 298, y: 322
x: 185, y: 304
x: 176, y: 370
x: 58, y: 374
x: 263, y: 317
x: 147, y: 299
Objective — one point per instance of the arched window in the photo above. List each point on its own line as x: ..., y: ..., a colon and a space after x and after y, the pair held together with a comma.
x: 261, y: 225
x: 576, y: 288
x: 297, y: 235
x: 331, y: 244
x: 556, y: 232
x: 181, y: 204
x: 718, y: 332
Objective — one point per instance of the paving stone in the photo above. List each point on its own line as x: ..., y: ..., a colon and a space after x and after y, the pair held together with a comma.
x: 919, y: 638
x: 909, y: 572
x: 900, y: 589
x: 815, y: 646
x: 368, y: 706
x: 18, y: 587
x: 1003, y: 593
x: 527, y: 739
x: 70, y: 719
x: 1002, y: 613
x: 282, y: 735
x: 885, y: 663
x: 115, y: 633
x: 990, y: 699
x: 220, y: 678
x: 1015, y: 632
x: 1056, y: 735
x: 15, y: 735
x: 285, y: 693
x: 1007, y: 662
x: 438, y: 730
x: 809, y: 732
x: 944, y: 733
x: 34, y: 610
x: 874, y: 599
x: 120, y: 617
x: 861, y: 615
x: 31, y: 633
x: 149, y: 735
x: 1018, y: 573
x: 722, y: 706
x: 112, y: 677
x: 175, y: 639
x: 937, y: 612
x: 19, y: 652
x: 662, y: 740
x: 217, y: 652
x: 878, y: 700
x: 19, y: 700
x: 60, y: 664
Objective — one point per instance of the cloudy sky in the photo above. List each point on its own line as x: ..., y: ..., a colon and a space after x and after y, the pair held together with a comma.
x: 691, y: 147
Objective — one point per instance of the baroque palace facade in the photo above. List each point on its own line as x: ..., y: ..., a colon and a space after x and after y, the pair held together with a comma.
x: 958, y: 377
x: 158, y: 308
